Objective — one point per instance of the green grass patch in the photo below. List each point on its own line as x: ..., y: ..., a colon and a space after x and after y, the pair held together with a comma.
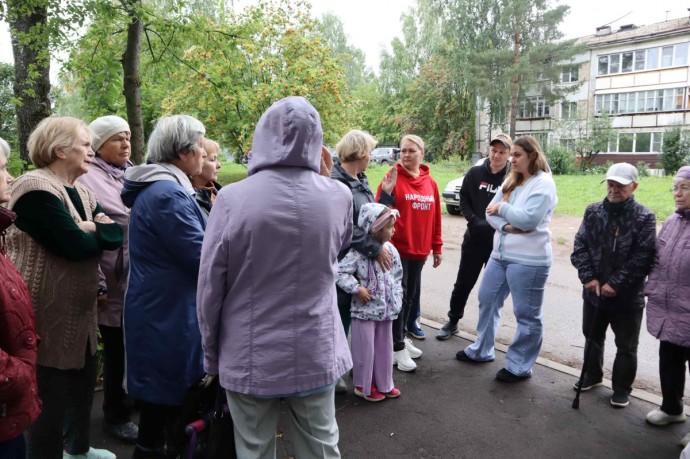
x: 575, y: 192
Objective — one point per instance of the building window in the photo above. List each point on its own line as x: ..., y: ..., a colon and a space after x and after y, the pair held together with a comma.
x: 638, y: 142
x: 644, y: 59
x: 655, y: 100
x: 533, y: 107
x: 569, y: 110
x: 569, y: 74
x: 542, y: 138
x: 568, y: 144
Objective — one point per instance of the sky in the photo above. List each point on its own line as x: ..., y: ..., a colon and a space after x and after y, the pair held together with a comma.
x: 372, y: 24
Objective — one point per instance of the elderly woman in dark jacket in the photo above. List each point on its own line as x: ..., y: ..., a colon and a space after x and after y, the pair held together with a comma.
x: 57, y: 240
x: 18, y: 389
x: 166, y: 230
x: 668, y: 305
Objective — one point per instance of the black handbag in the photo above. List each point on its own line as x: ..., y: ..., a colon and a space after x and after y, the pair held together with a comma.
x: 206, y: 422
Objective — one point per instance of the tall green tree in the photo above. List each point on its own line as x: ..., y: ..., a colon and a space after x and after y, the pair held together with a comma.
x: 8, y: 123
x: 351, y: 58
x: 675, y: 148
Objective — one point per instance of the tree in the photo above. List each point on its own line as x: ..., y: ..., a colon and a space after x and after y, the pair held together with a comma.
x: 593, y: 138
x: 8, y: 123
x: 132, y: 78
x: 351, y: 58
x: 676, y: 146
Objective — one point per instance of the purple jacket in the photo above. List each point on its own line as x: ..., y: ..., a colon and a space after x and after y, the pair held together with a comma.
x: 668, y: 287
x: 105, y: 181
x: 266, y: 298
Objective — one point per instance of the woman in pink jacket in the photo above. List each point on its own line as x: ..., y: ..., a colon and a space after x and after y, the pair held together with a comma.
x: 668, y: 305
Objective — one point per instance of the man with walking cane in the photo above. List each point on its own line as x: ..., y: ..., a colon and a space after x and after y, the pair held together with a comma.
x: 613, y: 253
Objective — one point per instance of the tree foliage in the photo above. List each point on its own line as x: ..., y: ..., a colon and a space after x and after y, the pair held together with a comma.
x: 675, y: 148
x: 593, y: 137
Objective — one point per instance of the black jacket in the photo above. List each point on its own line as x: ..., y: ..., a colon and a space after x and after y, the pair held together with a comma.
x: 478, y: 189
x: 203, y: 196
x: 616, y: 244
x: 361, y: 194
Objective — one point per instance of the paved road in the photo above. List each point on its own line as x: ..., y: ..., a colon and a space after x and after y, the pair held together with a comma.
x: 563, y: 340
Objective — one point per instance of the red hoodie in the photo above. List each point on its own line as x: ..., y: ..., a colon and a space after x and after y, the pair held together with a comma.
x: 418, y: 230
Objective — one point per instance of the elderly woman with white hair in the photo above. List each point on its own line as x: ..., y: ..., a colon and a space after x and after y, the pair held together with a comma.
x: 58, y: 238
x: 105, y: 178
x: 5, y: 151
x: 166, y: 230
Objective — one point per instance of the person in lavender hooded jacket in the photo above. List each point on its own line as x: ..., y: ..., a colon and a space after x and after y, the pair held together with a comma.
x: 266, y: 299
x: 668, y: 305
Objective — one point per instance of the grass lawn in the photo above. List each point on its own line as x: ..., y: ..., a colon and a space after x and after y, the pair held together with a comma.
x: 575, y: 192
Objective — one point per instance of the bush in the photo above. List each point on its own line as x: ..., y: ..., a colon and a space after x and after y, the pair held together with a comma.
x: 675, y: 150
x: 643, y: 169
x: 561, y: 161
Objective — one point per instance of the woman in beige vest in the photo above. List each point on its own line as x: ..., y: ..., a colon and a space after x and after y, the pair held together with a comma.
x: 56, y: 243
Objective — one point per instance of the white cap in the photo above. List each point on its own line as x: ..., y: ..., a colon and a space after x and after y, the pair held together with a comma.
x: 622, y: 173
x: 105, y: 127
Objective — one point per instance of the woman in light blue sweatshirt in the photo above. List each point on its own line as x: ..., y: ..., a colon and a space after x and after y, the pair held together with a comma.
x: 519, y: 264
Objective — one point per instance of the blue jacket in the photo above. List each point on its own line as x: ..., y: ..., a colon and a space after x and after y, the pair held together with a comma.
x: 166, y: 230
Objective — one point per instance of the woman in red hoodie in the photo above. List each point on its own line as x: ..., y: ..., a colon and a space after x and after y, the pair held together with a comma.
x: 417, y: 233
x: 19, y: 403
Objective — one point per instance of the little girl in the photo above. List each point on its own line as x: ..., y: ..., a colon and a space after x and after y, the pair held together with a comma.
x: 376, y: 302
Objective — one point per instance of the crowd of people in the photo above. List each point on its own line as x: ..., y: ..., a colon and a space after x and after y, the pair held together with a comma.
x: 260, y: 282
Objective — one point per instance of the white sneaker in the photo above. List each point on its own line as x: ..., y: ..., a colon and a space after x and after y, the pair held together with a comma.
x: 415, y: 352
x: 660, y: 418
x: 92, y: 453
x: 684, y: 442
x: 403, y: 361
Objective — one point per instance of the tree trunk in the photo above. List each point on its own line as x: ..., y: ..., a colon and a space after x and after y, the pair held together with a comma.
x: 515, y: 84
x: 132, y: 81
x: 28, y: 29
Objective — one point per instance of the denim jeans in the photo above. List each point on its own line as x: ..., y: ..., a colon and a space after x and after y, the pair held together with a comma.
x: 526, y: 285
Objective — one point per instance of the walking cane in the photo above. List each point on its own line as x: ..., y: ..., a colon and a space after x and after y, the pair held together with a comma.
x: 588, y: 343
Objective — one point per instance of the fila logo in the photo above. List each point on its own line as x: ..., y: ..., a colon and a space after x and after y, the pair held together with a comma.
x: 488, y: 187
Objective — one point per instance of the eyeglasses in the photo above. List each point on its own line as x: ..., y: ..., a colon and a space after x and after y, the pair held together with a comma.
x: 682, y: 189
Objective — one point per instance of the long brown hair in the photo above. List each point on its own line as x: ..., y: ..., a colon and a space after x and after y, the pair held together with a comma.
x: 537, y: 162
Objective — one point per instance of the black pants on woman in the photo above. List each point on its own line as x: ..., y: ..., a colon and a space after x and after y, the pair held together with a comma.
x: 672, y: 367
x: 412, y: 276
x: 115, y: 409
x: 156, y: 429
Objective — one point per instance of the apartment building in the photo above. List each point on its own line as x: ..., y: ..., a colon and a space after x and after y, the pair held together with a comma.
x: 639, y: 75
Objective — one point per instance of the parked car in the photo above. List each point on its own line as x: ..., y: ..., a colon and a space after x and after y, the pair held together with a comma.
x: 451, y: 194
x: 385, y: 155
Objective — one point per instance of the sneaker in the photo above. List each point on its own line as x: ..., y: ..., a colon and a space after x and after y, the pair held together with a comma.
x: 374, y: 395
x: 92, y: 453
x: 660, y: 418
x: 394, y: 393
x: 341, y: 386
x: 587, y: 384
x: 416, y: 332
x: 463, y: 357
x: 620, y: 399
x: 506, y: 376
x: 685, y: 440
x: 414, y: 351
x: 449, y: 329
x: 403, y: 361
x: 127, y: 432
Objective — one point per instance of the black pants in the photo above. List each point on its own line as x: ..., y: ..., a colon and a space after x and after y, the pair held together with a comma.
x: 625, y: 323
x: 65, y: 419
x: 672, y: 359
x: 473, y: 257
x: 412, y: 275
x: 115, y: 408
x: 344, y: 306
x: 156, y: 426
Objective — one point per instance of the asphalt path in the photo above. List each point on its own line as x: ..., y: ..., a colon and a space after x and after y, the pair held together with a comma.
x: 563, y: 339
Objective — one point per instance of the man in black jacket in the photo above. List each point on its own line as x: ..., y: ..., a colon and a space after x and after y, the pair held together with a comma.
x: 613, y: 253
x: 478, y: 189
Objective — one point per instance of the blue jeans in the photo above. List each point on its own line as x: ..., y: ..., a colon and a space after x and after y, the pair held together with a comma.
x: 526, y: 285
